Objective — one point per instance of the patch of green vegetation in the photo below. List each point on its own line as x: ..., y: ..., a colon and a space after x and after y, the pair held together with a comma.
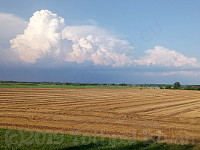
x: 23, y: 140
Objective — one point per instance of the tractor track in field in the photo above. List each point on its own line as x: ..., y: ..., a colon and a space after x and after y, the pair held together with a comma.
x: 107, y: 115
x: 106, y: 122
x: 104, y: 112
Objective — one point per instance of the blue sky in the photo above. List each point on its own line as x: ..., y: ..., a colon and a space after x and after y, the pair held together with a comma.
x: 153, y: 41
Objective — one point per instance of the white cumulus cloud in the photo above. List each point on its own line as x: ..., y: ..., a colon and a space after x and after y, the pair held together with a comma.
x: 47, y: 36
x: 165, y: 57
x: 94, y: 44
x: 41, y: 37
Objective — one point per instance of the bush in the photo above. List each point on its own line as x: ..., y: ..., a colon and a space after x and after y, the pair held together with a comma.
x: 168, y: 86
x: 177, y: 85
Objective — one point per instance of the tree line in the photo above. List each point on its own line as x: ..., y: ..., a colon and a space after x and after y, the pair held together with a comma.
x: 177, y: 85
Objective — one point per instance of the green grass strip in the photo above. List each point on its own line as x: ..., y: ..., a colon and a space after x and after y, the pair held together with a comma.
x: 68, y: 86
x: 29, y: 140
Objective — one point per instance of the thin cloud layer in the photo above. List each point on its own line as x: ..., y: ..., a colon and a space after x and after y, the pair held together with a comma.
x: 10, y: 26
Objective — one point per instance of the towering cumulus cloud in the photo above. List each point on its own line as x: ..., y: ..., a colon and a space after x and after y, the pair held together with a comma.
x: 41, y: 37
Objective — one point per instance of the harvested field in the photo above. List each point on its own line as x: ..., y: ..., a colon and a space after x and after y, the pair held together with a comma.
x: 163, y: 115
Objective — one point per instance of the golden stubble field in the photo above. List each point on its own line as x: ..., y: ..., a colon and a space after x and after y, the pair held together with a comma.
x: 163, y: 115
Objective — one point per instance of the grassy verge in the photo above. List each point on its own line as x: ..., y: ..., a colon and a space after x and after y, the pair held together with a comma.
x: 23, y: 140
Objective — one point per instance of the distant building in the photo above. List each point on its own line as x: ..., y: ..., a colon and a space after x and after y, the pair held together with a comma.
x: 154, y: 87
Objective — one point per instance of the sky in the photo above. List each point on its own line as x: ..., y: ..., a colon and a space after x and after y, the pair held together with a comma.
x: 107, y: 41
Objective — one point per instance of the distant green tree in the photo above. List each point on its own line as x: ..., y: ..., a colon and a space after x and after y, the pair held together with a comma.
x: 177, y: 85
x: 123, y: 84
x: 168, y: 86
